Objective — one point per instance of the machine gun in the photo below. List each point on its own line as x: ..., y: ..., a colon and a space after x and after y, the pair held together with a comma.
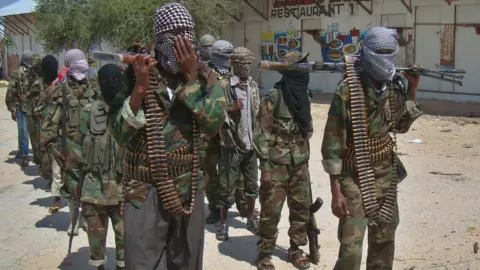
x: 319, y: 66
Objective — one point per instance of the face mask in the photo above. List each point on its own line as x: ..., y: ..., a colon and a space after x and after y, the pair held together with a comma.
x: 242, y: 70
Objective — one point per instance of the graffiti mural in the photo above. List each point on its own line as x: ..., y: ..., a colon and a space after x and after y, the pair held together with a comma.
x: 335, y: 43
x: 275, y: 45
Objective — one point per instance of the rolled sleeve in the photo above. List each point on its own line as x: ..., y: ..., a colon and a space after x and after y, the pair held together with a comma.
x: 332, y: 166
x: 137, y: 121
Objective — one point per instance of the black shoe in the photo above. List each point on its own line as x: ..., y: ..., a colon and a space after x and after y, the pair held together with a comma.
x: 222, y: 233
x: 213, y: 217
x: 101, y: 267
x: 25, y: 162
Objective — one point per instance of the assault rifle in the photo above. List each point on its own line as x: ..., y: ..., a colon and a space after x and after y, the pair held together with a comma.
x: 319, y: 66
x: 312, y: 230
x: 76, y: 211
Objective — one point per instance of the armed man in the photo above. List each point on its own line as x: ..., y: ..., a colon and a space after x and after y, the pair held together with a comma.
x: 20, y: 101
x: 218, y: 66
x: 68, y: 97
x: 358, y: 151
x: 205, y: 48
x: 49, y: 68
x: 92, y: 172
x: 283, y: 129
x: 236, y: 139
x: 160, y: 124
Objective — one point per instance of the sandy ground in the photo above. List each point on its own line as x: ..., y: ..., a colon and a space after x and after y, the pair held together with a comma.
x: 440, y: 213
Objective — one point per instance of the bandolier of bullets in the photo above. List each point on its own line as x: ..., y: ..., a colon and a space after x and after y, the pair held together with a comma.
x: 370, y: 151
x: 366, y: 177
x: 160, y: 167
x: 387, y: 210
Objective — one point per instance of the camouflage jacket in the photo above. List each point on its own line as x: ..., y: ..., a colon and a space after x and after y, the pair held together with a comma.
x: 210, y: 77
x: 43, y: 99
x: 92, y: 155
x: 79, y: 95
x: 234, y: 121
x: 277, y: 139
x: 17, y: 94
x: 338, y: 130
x: 189, y: 101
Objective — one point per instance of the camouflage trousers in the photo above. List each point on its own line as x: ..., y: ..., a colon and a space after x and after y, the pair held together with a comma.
x: 209, y: 167
x: 290, y: 183
x: 231, y: 166
x: 33, y: 126
x: 351, y: 230
x: 97, y: 217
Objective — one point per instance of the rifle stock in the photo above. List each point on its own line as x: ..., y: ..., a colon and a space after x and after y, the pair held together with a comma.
x: 313, y: 232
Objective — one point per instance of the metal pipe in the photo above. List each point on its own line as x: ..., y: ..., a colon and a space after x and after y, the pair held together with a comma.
x: 450, y: 93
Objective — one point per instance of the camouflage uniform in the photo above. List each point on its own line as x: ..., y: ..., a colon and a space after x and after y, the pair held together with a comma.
x: 337, y: 143
x: 209, y: 148
x: 235, y: 159
x: 15, y: 99
x: 78, y: 95
x: 92, y: 158
x: 25, y: 92
x: 284, y: 152
x: 147, y: 225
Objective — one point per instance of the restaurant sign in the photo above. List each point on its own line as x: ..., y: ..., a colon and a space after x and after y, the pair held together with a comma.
x: 310, y: 8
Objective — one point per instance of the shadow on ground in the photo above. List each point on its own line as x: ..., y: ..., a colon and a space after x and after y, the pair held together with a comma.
x: 37, y: 183
x: 58, y: 221
x: 47, y: 202
x: 79, y: 260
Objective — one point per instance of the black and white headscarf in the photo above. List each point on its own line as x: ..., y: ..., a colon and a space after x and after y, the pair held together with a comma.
x: 170, y: 20
x: 380, y: 67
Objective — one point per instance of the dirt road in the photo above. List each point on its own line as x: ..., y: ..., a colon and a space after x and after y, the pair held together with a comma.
x: 440, y: 213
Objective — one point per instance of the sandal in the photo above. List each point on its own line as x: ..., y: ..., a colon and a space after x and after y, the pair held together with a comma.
x: 298, y: 259
x: 57, y: 204
x: 264, y: 262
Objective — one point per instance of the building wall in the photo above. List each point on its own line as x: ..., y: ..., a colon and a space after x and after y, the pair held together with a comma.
x: 426, y: 26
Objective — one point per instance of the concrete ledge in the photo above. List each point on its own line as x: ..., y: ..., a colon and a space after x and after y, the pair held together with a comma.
x: 429, y: 106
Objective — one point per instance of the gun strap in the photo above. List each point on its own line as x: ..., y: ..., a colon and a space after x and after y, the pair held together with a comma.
x: 155, y: 117
x: 366, y: 178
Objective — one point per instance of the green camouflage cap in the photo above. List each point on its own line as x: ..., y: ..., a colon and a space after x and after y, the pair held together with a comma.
x: 36, y: 60
x: 294, y: 57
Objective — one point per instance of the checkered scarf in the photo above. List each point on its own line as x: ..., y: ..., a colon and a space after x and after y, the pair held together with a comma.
x: 170, y: 20
x: 221, y: 51
x: 77, y: 64
x: 241, y: 61
x: 380, y: 66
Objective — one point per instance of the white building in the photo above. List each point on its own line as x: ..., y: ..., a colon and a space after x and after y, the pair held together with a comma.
x: 435, y: 33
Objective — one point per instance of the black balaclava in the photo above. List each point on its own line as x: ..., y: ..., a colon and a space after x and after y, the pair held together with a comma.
x: 49, y: 69
x: 112, y: 85
x: 294, y: 86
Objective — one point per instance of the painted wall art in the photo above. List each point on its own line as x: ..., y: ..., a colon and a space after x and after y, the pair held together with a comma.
x: 335, y: 44
x: 275, y: 45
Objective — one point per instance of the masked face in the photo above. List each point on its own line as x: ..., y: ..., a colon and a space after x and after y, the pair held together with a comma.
x: 205, y: 53
x: 242, y: 69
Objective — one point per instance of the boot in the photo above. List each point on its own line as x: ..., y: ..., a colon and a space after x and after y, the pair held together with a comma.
x: 25, y: 162
x: 101, y: 267
x: 252, y: 219
x: 213, y: 217
x: 222, y: 233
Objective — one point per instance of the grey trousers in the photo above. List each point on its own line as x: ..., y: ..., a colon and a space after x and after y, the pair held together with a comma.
x: 156, y: 240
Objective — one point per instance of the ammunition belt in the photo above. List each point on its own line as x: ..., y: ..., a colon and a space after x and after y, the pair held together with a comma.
x: 362, y: 147
x: 380, y: 151
x: 159, y: 167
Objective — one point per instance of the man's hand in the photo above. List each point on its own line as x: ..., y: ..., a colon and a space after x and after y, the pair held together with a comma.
x: 58, y: 157
x: 339, y: 205
x: 413, y: 79
x: 142, y: 66
x: 236, y: 106
x: 266, y: 179
x: 14, y: 116
x: 186, y: 58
